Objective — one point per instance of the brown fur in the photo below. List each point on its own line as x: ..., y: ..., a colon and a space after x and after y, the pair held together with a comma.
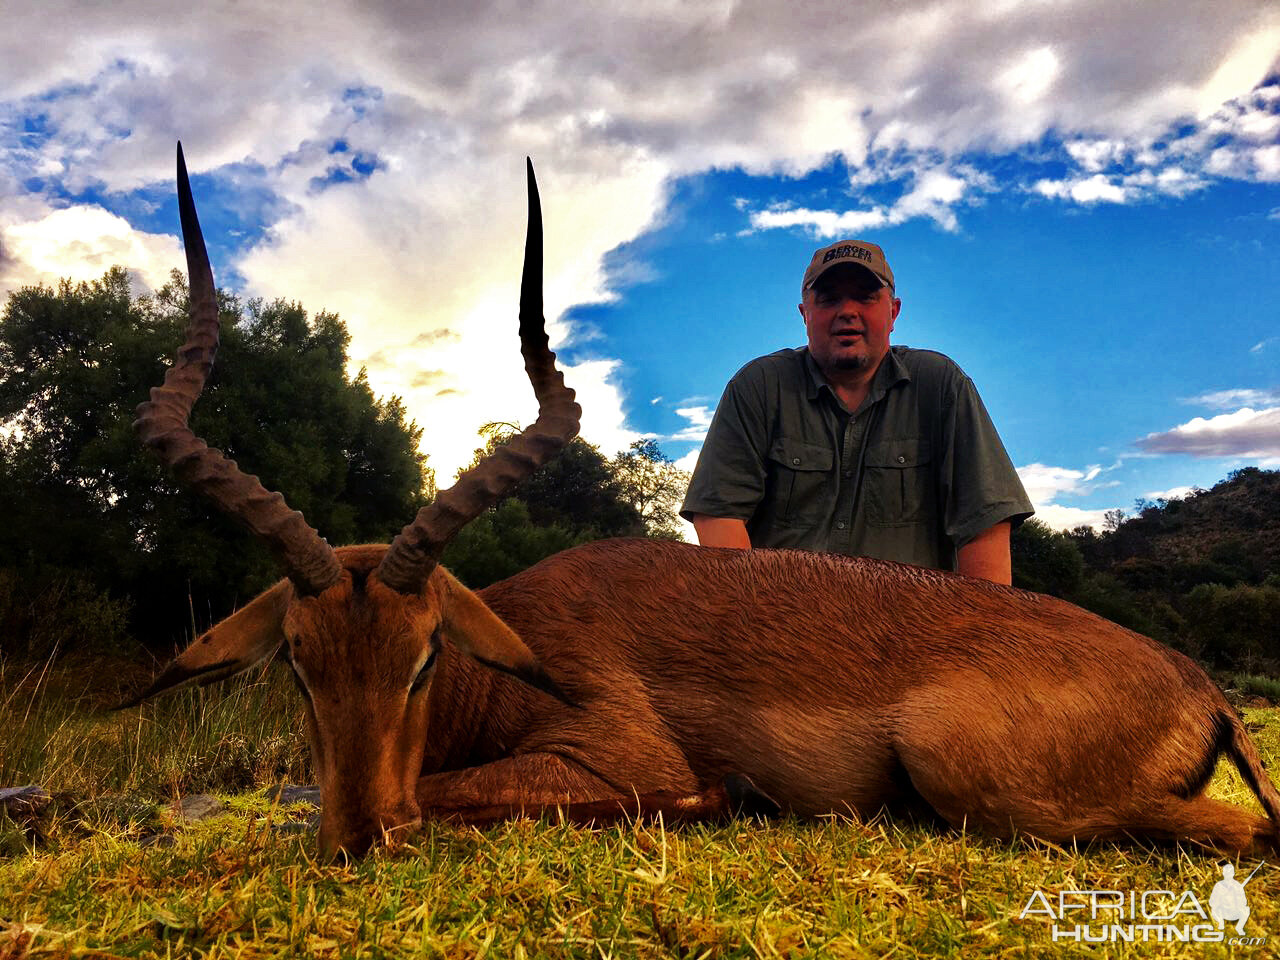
x: 834, y: 684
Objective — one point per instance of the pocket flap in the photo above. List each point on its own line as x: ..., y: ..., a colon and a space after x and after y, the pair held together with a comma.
x: 898, y: 453
x: 797, y: 455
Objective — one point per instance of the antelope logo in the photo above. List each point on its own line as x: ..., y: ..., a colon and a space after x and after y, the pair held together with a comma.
x: 692, y: 679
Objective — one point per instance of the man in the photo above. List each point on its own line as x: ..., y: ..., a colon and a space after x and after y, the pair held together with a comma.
x: 852, y: 446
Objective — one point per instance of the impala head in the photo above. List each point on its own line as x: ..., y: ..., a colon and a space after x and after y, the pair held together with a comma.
x: 361, y: 627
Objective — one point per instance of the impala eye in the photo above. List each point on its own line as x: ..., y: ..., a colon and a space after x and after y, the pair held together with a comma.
x: 423, y: 673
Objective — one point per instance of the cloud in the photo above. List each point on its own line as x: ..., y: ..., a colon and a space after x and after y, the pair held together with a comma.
x: 1236, y: 398
x: 1094, y: 189
x: 1246, y: 433
x: 1173, y: 493
x: 1045, y: 483
x: 81, y: 243
x: 699, y: 418
x: 1068, y: 518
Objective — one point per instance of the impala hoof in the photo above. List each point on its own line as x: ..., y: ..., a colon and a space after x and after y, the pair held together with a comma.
x: 748, y: 800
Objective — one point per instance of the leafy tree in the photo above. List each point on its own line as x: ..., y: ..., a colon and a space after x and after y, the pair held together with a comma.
x: 653, y: 485
x: 1046, y: 561
x: 578, y: 490
x: 502, y: 542
x: 1235, y: 627
x: 576, y: 497
x: 83, y: 500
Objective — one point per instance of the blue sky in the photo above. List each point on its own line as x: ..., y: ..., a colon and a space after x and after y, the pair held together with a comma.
x: 1080, y: 201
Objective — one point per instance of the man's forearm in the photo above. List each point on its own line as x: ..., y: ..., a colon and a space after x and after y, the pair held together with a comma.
x: 721, y: 531
x: 987, y: 555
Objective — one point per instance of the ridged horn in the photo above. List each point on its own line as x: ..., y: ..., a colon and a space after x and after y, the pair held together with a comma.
x: 162, y: 427
x: 415, y: 552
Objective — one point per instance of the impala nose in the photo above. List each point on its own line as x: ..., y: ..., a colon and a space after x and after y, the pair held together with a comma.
x: 351, y: 841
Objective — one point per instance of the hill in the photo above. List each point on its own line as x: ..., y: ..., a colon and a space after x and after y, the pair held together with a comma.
x: 1229, y: 534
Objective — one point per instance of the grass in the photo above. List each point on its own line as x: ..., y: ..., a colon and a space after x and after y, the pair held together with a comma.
x: 1253, y: 685
x: 236, y: 887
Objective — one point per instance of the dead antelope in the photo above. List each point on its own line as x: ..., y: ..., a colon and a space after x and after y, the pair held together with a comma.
x: 640, y: 667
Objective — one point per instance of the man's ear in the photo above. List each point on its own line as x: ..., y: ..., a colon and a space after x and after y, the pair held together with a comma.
x: 249, y: 635
x: 478, y: 632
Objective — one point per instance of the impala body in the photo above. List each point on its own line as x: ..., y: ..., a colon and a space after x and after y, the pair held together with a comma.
x: 664, y: 670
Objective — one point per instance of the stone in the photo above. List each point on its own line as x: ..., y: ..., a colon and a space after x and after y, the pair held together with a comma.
x: 198, y: 806
x: 287, y: 793
x: 24, y: 801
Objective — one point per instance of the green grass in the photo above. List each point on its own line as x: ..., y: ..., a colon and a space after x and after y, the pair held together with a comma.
x: 1253, y: 685
x: 57, y: 729
x: 236, y: 887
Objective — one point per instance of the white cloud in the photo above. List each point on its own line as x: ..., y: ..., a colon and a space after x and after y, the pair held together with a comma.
x: 81, y: 243
x: 1029, y: 77
x: 1094, y: 189
x: 699, y: 418
x: 1236, y: 398
x: 1246, y: 433
x: 689, y: 460
x: 1045, y: 483
x: 1068, y: 518
x: 1173, y: 493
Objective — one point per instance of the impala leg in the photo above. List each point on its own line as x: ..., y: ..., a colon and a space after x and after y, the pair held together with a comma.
x: 535, y: 784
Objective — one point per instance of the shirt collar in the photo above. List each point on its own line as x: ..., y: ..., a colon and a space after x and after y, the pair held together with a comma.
x: 891, y: 372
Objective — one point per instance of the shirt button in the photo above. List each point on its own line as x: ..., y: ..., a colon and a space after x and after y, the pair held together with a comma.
x: 840, y: 525
x: 795, y: 461
x: 902, y: 459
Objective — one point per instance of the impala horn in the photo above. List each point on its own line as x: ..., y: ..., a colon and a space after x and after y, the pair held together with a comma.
x: 415, y: 552
x: 309, y: 561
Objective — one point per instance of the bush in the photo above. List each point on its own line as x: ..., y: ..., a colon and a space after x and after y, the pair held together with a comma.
x: 47, y: 617
x: 1235, y: 626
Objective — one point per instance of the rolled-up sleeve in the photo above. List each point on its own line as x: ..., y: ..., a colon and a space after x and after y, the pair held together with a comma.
x: 980, y: 487
x: 729, y: 478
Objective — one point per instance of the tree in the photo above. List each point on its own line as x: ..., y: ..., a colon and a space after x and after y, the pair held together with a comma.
x: 82, y: 498
x: 653, y: 485
x: 1046, y: 561
x: 577, y: 490
x: 576, y: 497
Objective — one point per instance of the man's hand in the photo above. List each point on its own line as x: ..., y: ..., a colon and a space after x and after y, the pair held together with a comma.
x: 986, y: 555
x: 721, y: 531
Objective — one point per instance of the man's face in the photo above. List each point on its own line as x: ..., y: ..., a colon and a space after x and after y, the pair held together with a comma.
x: 849, y: 315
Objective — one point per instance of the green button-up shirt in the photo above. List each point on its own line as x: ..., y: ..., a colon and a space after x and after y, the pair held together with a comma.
x: 915, y: 473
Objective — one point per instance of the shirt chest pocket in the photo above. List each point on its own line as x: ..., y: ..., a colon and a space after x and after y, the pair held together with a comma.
x: 800, y: 475
x: 899, y: 482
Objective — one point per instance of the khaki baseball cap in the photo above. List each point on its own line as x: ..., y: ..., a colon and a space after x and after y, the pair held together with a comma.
x: 858, y: 252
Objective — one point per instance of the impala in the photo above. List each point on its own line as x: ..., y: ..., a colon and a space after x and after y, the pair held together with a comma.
x: 663, y: 671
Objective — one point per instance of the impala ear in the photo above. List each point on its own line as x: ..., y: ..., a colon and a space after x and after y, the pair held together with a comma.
x: 478, y: 632
x: 248, y: 636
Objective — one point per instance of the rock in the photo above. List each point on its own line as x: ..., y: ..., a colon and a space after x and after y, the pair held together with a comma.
x: 287, y: 793
x: 24, y: 801
x: 198, y: 806
x: 310, y: 825
x: 157, y: 840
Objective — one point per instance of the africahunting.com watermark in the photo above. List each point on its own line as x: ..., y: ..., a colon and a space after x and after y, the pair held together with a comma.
x: 1163, y: 916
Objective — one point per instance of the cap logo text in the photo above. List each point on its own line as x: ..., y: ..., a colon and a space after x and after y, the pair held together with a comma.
x: 848, y: 250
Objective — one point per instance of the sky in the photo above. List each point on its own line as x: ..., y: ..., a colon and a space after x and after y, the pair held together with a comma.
x: 1080, y: 201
